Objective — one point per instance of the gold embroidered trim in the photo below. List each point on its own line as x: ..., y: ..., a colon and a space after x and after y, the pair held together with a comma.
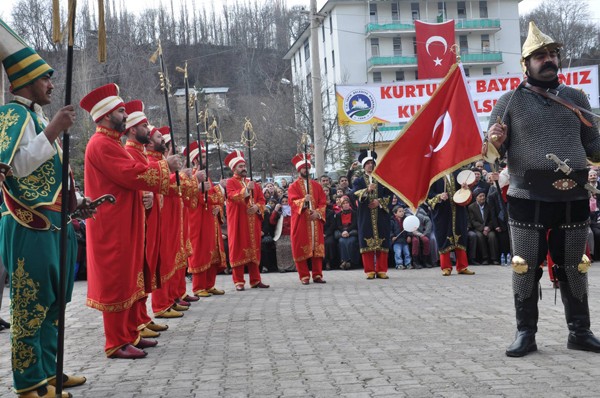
x: 26, y: 321
x: 7, y: 120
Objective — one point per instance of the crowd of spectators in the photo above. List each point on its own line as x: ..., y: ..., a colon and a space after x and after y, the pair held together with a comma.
x: 488, y: 227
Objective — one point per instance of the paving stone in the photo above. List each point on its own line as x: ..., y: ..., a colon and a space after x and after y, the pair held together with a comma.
x: 415, y: 335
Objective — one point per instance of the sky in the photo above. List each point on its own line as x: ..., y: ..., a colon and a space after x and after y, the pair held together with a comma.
x: 135, y: 6
x: 524, y: 6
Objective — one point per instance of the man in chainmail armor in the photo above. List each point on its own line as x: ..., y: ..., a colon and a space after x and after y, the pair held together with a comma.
x: 526, y: 125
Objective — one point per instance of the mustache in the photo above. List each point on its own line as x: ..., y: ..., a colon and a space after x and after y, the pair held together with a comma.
x: 549, y: 65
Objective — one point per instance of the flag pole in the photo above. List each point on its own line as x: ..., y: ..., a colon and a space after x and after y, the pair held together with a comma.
x: 64, y: 208
x: 165, y: 85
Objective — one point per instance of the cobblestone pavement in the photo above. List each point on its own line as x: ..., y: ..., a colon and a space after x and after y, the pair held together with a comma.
x: 417, y: 334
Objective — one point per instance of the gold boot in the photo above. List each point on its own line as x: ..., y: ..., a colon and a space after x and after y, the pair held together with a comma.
x: 69, y: 381
x: 371, y: 275
x: 215, y: 291
x: 148, y: 333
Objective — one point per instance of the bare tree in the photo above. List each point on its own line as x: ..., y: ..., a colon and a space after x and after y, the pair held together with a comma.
x: 567, y: 22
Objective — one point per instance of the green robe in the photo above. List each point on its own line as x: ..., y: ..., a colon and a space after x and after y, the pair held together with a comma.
x: 30, y: 249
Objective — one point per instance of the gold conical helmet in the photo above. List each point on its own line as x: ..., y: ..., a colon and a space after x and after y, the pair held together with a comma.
x: 536, y: 40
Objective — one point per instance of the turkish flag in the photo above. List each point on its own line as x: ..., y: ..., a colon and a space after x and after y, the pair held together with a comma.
x: 441, y: 137
x: 434, y: 44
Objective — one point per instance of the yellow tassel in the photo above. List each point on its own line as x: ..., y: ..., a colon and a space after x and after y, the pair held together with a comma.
x: 72, y: 9
x: 56, y: 34
x: 101, y: 33
x: 154, y: 57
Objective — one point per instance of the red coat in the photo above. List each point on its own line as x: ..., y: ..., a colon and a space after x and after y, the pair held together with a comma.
x: 151, y: 266
x: 115, y: 238
x: 243, y: 230
x: 208, y: 248
x: 306, y: 234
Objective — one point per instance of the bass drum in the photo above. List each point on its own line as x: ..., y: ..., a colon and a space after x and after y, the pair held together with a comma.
x: 466, y: 177
x: 462, y: 197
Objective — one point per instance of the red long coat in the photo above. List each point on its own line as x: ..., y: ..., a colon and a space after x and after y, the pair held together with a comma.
x: 205, y: 232
x: 243, y: 230
x: 306, y: 234
x: 115, y: 238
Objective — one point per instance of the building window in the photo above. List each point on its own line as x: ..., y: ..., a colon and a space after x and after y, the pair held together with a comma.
x: 416, y: 75
x: 333, y: 59
x: 487, y: 71
x: 330, y: 24
x: 295, y: 71
x: 414, y: 9
x: 306, y: 50
x: 323, y: 31
x: 463, y: 43
x: 325, y: 64
x: 395, y: 12
x: 375, y: 47
x: 373, y: 12
x: 485, y: 43
x: 397, y: 46
x: 483, y: 11
x: 299, y: 59
x: 441, y: 15
x: 376, y: 77
x: 415, y: 45
x: 399, y: 75
x: 467, y: 73
x: 461, y: 10
x: 309, y: 82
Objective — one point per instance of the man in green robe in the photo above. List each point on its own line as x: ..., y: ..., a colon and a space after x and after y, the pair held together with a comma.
x: 30, y: 223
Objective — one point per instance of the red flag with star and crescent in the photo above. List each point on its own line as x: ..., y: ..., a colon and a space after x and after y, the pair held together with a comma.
x: 434, y: 48
x: 441, y: 137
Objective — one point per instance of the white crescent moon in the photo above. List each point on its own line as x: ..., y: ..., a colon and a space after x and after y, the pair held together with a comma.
x: 433, y: 39
x: 447, y: 122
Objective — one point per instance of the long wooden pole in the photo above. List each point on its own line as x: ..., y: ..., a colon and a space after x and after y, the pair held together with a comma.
x: 64, y: 210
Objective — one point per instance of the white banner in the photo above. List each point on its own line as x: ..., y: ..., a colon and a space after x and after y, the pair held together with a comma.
x: 397, y: 102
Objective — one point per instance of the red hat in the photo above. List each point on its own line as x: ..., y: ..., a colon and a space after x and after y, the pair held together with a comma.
x: 102, y: 101
x: 234, y: 158
x: 135, y: 114
x: 153, y: 130
x: 166, y: 133
x: 299, y: 162
x: 194, y: 152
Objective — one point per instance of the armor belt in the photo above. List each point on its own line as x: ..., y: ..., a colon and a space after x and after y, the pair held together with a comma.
x: 551, y: 186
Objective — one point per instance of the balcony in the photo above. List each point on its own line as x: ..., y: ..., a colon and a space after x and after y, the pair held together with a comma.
x: 410, y: 62
x: 483, y: 58
x: 400, y: 28
x: 379, y: 63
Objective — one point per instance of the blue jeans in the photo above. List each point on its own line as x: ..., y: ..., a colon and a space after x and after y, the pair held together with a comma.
x: 349, y: 250
x: 402, y: 250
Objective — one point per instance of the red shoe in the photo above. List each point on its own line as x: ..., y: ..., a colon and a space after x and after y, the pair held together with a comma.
x: 182, y: 303
x: 239, y: 288
x: 320, y: 280
x: 190, y: 299
x: 146, y: 343
x: 260, y: 285
x: 129, y: 352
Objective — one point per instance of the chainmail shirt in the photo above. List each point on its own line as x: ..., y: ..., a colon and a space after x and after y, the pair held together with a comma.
x: 537, y: 126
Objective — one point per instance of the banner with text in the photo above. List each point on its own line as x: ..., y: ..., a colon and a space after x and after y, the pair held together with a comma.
x: 397, y: 102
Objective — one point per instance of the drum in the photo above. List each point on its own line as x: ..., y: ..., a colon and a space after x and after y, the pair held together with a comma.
x: 411, y: 223
x: 466, y: 177
x: 462, y: 197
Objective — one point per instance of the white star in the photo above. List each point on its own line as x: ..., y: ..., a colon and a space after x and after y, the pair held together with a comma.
x: 438, y: 61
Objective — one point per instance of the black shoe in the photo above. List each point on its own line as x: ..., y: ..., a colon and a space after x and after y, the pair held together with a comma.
x: 583, y: 342
x: 524, y: 344
x: 4, y: 324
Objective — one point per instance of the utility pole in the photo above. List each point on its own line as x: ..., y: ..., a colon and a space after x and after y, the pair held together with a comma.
x: 319, y: 139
